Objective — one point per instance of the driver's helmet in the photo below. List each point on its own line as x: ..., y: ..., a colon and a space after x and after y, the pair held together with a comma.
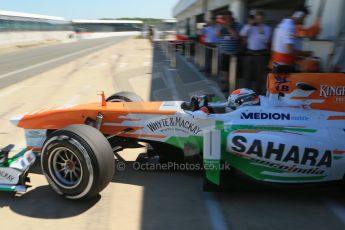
x: 243, y: 97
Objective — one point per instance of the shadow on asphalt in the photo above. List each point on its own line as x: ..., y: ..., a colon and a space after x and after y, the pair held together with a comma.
x: 172, y: 198
x: 44, y: 203
x: 176, y: 198
x: 158, y: 62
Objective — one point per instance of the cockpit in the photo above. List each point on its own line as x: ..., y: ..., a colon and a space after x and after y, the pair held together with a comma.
x: 240, y: 97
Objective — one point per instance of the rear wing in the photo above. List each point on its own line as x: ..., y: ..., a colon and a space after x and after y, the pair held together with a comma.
x: 324, y: 91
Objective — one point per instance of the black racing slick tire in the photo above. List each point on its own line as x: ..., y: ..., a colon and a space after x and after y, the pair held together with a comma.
x: 124, y: 96
x: 77, y: 161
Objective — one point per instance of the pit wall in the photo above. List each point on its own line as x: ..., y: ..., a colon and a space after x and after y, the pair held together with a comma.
x: 94, y: 35
x: 26, y: 38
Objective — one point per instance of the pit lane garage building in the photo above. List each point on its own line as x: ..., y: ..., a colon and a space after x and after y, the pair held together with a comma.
x: 193, y: 14
x: 23, y: 28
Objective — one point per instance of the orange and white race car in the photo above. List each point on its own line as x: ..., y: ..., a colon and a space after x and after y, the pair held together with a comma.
x: 294, y: 134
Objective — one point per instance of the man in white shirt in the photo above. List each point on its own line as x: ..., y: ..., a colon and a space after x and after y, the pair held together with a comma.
x: 286, y: 44
x: 258, y: 37
x: 258, y: 34
x: 210, y: 32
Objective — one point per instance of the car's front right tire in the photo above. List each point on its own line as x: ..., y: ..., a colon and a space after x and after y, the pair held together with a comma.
x: 77, y: 161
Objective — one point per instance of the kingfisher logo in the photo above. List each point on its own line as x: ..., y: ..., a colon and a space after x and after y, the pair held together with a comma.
x: 265, y: 116
x: 326, y: 91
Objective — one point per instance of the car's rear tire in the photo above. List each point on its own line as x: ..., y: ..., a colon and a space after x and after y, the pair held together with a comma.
x: 77, y: 161
x: 124, y: 96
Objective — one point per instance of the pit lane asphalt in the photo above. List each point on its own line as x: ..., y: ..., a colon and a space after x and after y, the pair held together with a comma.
x: 17, y: 66
x: 147, y: 199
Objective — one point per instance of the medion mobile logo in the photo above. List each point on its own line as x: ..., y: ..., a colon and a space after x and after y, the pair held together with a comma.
x: 266, y: 116
x: 326, y: 91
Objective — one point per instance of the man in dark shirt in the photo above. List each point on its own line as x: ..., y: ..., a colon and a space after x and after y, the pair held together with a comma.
x: 229, y: 35
x: 229, y: 42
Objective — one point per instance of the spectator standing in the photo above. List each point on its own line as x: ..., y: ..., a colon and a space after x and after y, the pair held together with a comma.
x: 257, y: 36
x: 229, y: 35
x: 151, y: 34
x: 210, y: 33
x: 229, y: 43
x: 250, y: 22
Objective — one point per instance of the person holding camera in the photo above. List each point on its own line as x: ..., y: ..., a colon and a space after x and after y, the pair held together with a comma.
x: 229, y: 42
x: 229, y: 34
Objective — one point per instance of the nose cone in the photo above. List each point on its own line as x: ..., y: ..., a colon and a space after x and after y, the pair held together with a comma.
x: 16, y: 119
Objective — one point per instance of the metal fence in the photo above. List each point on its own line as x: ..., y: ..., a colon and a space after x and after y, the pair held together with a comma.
x: 206, y: 59
x: 229, y: 71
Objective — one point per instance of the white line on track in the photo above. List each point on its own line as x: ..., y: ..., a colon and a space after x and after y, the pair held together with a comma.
x: 337, y: 209
x: 53, y: 60
x: 215, y: 214
x: 172, y: 86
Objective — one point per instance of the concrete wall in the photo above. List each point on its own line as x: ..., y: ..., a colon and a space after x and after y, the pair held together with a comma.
x: 332, y: 22
x: 95, y: 35
x: 197, y: 7
x: 28, y: 38
x: 238, y: 9
x: 321, y: 49
x: 332, y: 17
x: 215, y: 4
x: 191, y: 12
x: 183, y: 5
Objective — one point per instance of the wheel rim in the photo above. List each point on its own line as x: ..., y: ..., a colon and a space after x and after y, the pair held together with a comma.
x: 65, y: 168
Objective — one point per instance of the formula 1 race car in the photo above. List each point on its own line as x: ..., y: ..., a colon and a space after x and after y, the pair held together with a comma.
x: 294, y: 134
